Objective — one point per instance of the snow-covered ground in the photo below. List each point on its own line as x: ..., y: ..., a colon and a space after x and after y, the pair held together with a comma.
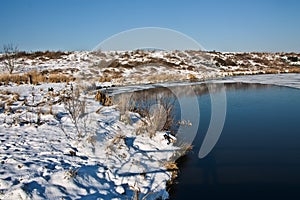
x: 42, y: 156
x: 288, y: 80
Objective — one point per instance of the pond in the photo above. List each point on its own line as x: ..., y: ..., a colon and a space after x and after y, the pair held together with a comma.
x: 257, y: 155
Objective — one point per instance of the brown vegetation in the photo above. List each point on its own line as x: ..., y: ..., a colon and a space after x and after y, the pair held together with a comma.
x: 34, y: 77
x: 226, y: 62
x: 103, y: 98
x: 43, y: 55
x: 192, y: 77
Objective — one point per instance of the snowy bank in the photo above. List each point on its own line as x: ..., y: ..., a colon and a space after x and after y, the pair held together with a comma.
x: 43, y: 157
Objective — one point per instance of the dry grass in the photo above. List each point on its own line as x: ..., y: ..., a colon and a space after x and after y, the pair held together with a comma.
x: 111, y: 74
x: 163, y: 77
x: 170, y: 166
x: 294, y: 70
x: 103, y: 98
x: 5, y: 79
x: 34, y: 77
x: 105, y: 79
x: 118, y: 138
x: 116, y: 143
x: 173, y: 168
x: 192, y: 77
x: 8, y: 98
x: 272, y: 71
x: 43, y: 55
x: 59, y: 78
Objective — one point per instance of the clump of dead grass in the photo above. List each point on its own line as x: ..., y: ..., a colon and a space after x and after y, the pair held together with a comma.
x: 103, y: 98
x: 34, y: 77
x: 192, y: 78
x: 116, y: 143
x: 171, y: 166
x: 163, y: 77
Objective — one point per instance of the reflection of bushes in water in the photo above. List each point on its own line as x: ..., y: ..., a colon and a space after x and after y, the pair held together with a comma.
x: 162, y: 117
x: 156, y: 108
x: 206, y: 88
x: 244, y: 86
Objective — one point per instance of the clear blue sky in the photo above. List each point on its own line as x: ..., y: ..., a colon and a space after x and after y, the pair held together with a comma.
x: 222, y: 25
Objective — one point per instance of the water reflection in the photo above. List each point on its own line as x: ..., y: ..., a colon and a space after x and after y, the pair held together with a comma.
x: 258, y: 154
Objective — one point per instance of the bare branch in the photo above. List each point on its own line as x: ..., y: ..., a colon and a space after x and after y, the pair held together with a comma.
x: 10, y: 57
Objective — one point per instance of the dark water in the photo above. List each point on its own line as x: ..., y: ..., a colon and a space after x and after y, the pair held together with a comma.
x: 258, y: 153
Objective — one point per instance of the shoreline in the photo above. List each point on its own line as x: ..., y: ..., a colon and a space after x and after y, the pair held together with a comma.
x: 281, y: 80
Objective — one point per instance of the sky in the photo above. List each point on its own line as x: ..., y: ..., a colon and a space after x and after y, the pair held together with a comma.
x: 220, y: 25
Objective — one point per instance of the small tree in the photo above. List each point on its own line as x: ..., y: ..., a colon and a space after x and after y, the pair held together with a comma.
x: 10, y: 57
x: 75, y: 107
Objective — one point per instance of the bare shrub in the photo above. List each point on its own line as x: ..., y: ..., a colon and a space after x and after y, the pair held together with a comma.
x: 157, y: 118
x: 156, y: 110
x: 10, y: 57
x: 75, y: 107
x: 173, y: 168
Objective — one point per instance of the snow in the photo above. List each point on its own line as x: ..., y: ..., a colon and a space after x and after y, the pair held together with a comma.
x: 120, y: 189
x: 288, y: 80
x: 49, y: 161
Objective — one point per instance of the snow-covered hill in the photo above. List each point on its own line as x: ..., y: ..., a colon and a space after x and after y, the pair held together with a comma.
x: 142, y: 67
